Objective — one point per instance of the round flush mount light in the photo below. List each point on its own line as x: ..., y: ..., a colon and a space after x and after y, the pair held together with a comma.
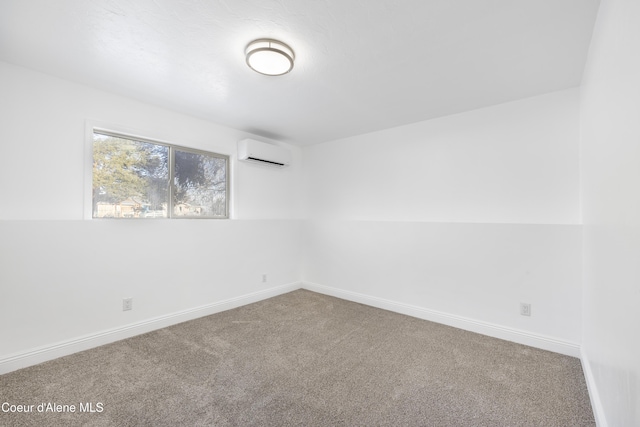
x: 270, y: 57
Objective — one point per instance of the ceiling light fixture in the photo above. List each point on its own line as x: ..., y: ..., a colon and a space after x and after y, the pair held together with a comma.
x: 269, y: 57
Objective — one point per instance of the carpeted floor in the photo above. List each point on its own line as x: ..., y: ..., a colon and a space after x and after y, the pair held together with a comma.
x: 304, y: 359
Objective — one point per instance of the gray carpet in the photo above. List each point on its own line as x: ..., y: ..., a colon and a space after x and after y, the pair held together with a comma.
x: 305, y: 359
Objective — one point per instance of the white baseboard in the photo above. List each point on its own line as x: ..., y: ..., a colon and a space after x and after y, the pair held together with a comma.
x: 596, y: 403
x: 485, y: 328
x: 49, y: 352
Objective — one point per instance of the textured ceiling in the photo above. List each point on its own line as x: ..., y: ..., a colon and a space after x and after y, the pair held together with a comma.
x: 361, y: 65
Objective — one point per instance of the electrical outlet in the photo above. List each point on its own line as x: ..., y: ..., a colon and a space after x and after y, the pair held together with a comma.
x: 525, y: 309
x: 264, y: 278
x: 127, y: 304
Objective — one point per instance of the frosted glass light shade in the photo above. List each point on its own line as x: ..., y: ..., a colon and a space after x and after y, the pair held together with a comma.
x: 269, y: 57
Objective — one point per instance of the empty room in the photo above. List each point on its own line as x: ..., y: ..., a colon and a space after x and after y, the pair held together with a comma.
x: 320, y: 213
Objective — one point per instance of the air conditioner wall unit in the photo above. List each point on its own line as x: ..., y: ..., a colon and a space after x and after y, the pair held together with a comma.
x: 250, y: 150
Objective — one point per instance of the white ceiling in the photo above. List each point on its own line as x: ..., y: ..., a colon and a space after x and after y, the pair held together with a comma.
x: 361, y: 65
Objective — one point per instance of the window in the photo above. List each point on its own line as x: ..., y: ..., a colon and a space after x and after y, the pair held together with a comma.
x: 135, y: 178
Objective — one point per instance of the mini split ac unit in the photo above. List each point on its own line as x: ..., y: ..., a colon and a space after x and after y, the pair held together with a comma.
x: 251, y: 150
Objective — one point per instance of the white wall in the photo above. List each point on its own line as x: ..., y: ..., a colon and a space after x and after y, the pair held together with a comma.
x: 66, y: 279
x: 610, y: 138
x: 43, y: 142
x: 466, y: 215
x: 63, y: 278
x: 512, y: 163
x: 457, y: 198
x: 480, y: 272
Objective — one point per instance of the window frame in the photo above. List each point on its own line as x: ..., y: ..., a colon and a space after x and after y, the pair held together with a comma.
x: 92, y: 129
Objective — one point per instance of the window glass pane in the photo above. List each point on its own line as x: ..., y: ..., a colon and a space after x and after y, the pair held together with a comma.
x: 130, y: 178
x: 199, y: 185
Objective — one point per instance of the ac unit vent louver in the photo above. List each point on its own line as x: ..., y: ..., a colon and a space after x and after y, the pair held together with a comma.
x: 264, y: 161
